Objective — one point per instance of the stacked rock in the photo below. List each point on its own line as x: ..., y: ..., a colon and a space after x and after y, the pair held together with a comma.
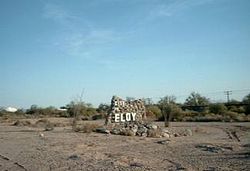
x: 126, y: 118
x: 126, y: 111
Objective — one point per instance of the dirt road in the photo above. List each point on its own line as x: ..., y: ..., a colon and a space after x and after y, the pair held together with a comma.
x: 213, y: 146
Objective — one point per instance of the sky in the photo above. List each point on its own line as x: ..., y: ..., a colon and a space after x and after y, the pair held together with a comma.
x: 53, y: 50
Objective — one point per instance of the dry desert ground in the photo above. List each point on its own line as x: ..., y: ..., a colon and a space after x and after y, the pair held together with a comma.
x: 212, y: 146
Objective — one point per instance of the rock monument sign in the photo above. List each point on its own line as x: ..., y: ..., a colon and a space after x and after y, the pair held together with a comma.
x: 126, y: 111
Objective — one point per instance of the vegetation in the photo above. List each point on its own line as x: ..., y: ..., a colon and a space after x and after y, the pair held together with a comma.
x: 195, y: 108
x: 153, y: 112
x: 197, y: 102
x: 80, y: 109
x: 217, y: 108
x: 246, y: 100
x: 168, y: 108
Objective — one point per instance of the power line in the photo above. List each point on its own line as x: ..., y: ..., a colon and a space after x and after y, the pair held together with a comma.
x: 228, y: 93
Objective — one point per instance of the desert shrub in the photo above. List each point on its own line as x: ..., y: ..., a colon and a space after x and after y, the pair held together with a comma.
x: 45, y: 123
x: 233, y: 116
x: 96, y: 117
x: 153, y: 111
x: 20, y: 112
x: 103, y: 108
x: 178, y: 114
x: 206, y: 118
x: 236, y: 109
x: 185, y: 115
x: 154, y: 133
x: 34, y: 110
x: 90, y: 111
x: 78, y: 109
x: 247, y: 118
x: 247, y: 109
x: 241, y: 117
x: 246, y: 100
x: 41, y: 122
x: 86, y: 127
x: 63, y: 114
x: 217, y: 108
x: 22, y: 123
x: 168, y: 108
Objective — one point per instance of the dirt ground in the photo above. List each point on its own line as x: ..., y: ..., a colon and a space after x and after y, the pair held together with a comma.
x: 213, y: 146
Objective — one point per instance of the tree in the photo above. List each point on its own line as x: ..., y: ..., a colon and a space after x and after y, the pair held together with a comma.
x: 195, y: 99
x: 103, y: 108
x: 148, y: 101
x: 75, y: 108
x: 34, y: 110
x: 197, y: 102
x: 246, y: 100
x: 168, y: 108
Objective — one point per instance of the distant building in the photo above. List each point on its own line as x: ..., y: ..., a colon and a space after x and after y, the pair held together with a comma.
x: 11, y: 109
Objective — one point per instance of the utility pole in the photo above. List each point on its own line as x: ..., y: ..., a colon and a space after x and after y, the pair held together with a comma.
x: 228, y: 93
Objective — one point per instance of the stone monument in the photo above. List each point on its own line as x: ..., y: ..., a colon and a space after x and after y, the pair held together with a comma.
x: 123, y: 111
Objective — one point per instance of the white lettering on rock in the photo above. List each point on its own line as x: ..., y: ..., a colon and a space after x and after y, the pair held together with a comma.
x: 128, y: 117
x: 117, y: 117
x: 124, y: 117
x: 133, y: 116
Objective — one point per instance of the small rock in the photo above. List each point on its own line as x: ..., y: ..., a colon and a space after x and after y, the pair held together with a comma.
x: 116, y: 131
x: 163, y: 142
x: 210, y: 148
x: 49, y: 129
x: 141, y: 130
x: 176, y: 135
x: 74, y: 157
x: 189, y: 132
x: 165, y: 131
x: 165, y: 135
x: 154, y: 126
x: 127, y: 132
x: 136, y: 165
x: 134, y: 128
x: 151, y: 126
x: 41, y: 135
x: 102, y: 130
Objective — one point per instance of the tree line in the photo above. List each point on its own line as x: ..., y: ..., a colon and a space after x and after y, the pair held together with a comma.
x: 195, y: 108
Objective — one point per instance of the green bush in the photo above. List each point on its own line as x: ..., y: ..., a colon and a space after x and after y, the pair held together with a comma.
x: 217, y: 108
x: 206, y: 118
x: 246, y: 100
x: 153, y: 111
x: 79, y: 109
x: 96, y: 117
x: 237, y: 109
x: 233, y: 116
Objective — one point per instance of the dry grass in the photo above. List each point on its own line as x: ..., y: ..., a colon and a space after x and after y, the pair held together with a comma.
x: 45, y: 123
x: 154, y: 133
x: 22, y: 123
x: 127, y: 132
x: 86, y: 127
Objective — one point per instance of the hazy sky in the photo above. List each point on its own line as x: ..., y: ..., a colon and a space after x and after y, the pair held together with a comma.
x: 50, y: 50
